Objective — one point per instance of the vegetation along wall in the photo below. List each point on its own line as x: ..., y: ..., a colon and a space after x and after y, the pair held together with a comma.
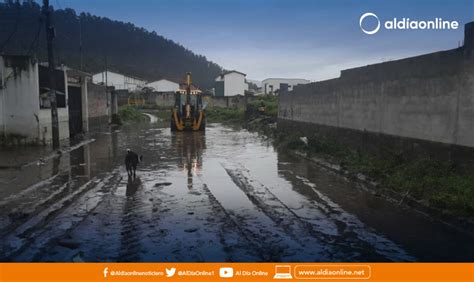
x: 429, y: 97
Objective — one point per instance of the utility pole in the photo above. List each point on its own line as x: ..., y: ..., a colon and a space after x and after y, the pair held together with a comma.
x: 80, y: 38
x: 105, y: 59
x: 50, y: 34
x: 107, y: 88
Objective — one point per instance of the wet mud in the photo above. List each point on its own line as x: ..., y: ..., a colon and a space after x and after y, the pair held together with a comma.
x: 223, y: 195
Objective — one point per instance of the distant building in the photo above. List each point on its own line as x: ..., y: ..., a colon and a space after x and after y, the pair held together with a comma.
x: 230, y: 83
x: 163, y: 85
x: 277, y: 85
x: 117, y: 80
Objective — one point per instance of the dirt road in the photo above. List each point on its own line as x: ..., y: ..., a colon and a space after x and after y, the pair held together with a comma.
x: 226, y: 195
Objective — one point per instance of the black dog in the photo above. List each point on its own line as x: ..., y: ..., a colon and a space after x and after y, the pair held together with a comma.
x: 131, y: 161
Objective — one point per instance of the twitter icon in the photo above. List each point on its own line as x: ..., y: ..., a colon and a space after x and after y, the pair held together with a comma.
x: 170, y: 272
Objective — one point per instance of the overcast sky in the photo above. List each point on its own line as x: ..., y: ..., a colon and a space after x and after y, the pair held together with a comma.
x: 312, y: 39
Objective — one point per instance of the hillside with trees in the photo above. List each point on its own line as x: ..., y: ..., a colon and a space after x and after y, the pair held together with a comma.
x: 123, y: 47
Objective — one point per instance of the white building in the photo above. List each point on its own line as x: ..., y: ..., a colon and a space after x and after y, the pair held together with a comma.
x: 230, y: 83
x: 117, y: 80
x: 163, y: 85
x: 25, y: 113
x: 276, y: 85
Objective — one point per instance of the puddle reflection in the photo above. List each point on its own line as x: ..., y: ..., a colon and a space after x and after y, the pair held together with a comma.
x: 190, y: 147
x: 132, y: 186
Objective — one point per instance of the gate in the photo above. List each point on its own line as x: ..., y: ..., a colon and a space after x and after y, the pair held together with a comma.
x: 75, y: 110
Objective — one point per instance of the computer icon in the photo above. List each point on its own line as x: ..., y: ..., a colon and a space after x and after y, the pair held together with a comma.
x: 282, y: 272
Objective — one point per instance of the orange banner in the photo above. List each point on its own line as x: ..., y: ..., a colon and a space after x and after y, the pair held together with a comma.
x: 236, y: 271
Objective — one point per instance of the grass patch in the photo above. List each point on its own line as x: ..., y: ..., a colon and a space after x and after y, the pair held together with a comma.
x: 130, y: 114
x: 225, y: 115
x: 436, y: 183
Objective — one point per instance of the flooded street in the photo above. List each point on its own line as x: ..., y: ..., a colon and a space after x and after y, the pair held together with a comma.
x: 226, y: 195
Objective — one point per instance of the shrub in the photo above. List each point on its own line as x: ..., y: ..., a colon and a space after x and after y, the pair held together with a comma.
x: 225, y: 115
x: 130, y: 114
x: 434, y: 182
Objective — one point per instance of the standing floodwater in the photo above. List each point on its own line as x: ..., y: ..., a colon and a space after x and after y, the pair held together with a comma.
x: 222, y: 195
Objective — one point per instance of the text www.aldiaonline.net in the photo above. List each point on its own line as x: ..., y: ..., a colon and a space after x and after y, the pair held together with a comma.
x: 332, y: 272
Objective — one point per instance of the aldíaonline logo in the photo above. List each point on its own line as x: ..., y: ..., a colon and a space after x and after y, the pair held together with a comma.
x: 405, y: 24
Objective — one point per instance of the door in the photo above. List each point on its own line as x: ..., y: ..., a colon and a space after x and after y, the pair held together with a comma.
x: 284, y: 87
x: 75, y: 110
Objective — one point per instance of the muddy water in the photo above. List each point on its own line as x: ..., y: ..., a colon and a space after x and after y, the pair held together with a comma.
x: 226, y: 195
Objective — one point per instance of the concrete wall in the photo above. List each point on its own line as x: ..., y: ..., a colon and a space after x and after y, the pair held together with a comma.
x: 167, y: 100
x: 163, y: 99
x: 238, y: 101
x: 19, y: 97
x: 429, y: 97
x: 45, y: 132
x: 98, y: 109
x: 273, y: 84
